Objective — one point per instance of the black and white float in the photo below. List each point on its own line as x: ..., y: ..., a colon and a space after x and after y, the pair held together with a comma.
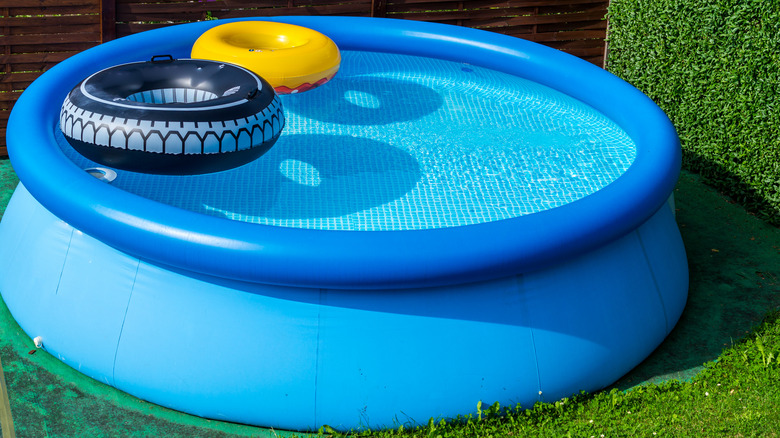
x: 166, y: 116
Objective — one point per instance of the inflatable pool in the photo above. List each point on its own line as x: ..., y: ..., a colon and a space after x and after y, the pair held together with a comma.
x: 457, y: 216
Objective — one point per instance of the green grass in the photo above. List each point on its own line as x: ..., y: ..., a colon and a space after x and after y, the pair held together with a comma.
x: 737, y: 395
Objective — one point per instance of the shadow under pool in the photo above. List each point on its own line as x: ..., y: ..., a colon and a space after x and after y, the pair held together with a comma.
x: 734, y: 282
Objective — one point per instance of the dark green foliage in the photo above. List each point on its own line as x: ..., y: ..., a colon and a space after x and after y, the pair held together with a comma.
x: 714, y: 67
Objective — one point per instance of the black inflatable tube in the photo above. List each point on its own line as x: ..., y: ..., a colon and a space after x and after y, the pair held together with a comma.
x: 172, y: 117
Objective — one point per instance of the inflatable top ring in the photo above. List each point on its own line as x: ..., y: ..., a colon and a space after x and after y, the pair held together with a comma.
x: 291, y: 58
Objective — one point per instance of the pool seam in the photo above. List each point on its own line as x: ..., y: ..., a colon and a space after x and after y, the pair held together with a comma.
x: 317, y: 353
x: 64, y: 261
x: 536, y: 362
x: 122, y: 326
x: 518, y: 279
x: 655, y: 280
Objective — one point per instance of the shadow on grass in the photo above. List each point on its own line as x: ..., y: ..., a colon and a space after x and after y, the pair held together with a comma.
x: 719, y: 177
x: 734, y: 263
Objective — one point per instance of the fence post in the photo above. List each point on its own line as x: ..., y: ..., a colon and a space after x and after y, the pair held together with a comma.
x: 378, y: 8
x: 6, y: 48
x: 107, y: 20
x: 606, y: 38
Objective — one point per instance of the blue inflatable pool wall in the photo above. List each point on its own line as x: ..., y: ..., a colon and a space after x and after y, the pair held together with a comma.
x: 293, y: 328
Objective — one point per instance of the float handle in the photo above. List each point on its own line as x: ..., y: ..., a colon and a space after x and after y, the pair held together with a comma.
x: 166, y: 59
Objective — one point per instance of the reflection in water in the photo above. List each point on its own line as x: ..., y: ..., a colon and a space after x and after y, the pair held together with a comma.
x: 369, y: 100
x: 353, y: 174
x: 305, y: 176
x: 300, y: 172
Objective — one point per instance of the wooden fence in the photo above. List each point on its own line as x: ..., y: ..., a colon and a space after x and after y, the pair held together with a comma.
x: 37, y: 34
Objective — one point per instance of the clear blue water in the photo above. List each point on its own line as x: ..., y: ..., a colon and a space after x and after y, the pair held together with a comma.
x: 397, y: 142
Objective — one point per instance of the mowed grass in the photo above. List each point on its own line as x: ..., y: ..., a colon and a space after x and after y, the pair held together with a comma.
x: 737, y: 395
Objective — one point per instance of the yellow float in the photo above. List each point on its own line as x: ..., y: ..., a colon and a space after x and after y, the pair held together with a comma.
x: 291, y: 58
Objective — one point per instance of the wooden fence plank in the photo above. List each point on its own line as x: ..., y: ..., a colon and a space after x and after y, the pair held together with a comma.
x: 9, y: 97
x: 18, y: 77
x: 64, y: 47
x: 54, y: 10
x: 567, y: 10
x: 345, y: 9
x: 468, y: 14
x: 22, y: 22
x: 35, y: 58
x: 164, y: 14
x: 40, y: 4
x: 54, y: 30
x: 574, y: 35
x: 577, y: 25
x: 487, y: 4
x: 45, y: 40
x: 137, y: 11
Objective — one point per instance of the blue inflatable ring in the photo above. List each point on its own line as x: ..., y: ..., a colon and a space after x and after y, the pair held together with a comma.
x: 249, y: 252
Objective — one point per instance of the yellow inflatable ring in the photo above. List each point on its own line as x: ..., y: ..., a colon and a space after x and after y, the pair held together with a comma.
x: 291, y: 58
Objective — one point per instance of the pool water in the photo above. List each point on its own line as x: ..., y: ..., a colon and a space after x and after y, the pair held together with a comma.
x: 398, y: 142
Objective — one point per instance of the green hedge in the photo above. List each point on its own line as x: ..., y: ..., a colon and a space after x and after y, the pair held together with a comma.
x: 714, y: 68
